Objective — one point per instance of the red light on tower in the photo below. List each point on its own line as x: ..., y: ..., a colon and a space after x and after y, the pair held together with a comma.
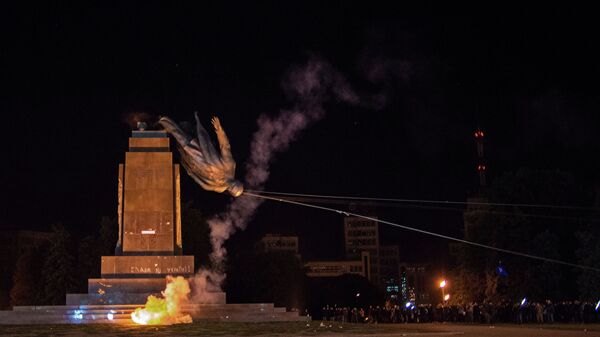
x: 480, y: 157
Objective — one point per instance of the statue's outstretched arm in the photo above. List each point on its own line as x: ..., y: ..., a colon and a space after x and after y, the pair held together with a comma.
x: 223, y: 140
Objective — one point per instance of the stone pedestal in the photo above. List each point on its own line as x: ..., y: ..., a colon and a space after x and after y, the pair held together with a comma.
x: 149, y: 216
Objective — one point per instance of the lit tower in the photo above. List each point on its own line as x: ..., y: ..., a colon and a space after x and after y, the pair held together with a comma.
x: 480, y: 158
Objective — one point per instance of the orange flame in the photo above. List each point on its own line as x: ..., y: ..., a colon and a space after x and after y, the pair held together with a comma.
x: 166, y: 310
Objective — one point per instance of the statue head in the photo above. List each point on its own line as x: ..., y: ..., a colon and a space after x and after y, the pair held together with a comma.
x: 235, y: 188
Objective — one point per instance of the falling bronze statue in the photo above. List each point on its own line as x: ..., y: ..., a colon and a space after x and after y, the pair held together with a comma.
x: 214, y: 171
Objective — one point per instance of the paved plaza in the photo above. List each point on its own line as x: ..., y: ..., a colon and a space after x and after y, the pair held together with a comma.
x: 314, y: 328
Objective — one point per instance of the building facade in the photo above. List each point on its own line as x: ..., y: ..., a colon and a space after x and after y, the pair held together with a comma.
x: 415, y: 283
x: 389, y: 270
x: 280, y: 243
x: 362, y: 235
x: 332, y: 268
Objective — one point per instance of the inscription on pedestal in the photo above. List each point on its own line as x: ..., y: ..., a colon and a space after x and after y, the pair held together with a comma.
x: 155, y: 266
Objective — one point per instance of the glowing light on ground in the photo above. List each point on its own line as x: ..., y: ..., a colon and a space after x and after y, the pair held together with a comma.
x: 78, y: 315
x: 166, y: 310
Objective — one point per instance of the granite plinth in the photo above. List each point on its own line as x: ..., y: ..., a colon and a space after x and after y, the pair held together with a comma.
x: 148, y: 266
x: 148, y: 213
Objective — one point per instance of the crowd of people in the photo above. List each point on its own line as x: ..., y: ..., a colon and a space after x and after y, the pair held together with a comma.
x: 485, y: 313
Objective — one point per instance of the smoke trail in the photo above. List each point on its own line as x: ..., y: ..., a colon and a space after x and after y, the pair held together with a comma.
x: 308, y: 87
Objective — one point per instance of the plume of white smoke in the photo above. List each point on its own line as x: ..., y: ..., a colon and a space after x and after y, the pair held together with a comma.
x: 207, y: 286
x: 308, y: 87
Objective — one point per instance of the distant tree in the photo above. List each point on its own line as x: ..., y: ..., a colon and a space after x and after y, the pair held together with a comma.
x: 195, y: 235
x: 90, y: 250
x: 59, y: 267
x: 257, y: 276
x: 542, y: 232
x: 88, y: 261
x: 589, y: 255
x: 27, y: 286
x: 108, y: 235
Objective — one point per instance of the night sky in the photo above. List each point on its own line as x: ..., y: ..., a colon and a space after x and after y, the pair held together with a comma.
x: 72, y: 75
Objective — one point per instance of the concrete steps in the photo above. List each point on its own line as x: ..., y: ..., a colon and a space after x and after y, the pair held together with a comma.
x: 121, y: 314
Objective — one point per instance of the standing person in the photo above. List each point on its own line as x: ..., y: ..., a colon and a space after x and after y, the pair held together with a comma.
x: 550, y: 312
x: 493, y: 311
x: 539, y: 313
x: 483, y: 309
x: 476, y: 313
x: 462, y: 313
x: 519, y: 313
x: 470, y: 313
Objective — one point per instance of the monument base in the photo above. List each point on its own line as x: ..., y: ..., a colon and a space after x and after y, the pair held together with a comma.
x: 112, y: 300
x: 121, y: 314
x: 127, y: 291
x: 146, y: 266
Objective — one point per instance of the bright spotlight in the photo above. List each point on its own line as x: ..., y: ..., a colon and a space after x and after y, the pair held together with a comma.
x: 597, y: 305
x: 110, y: 316
x: 78, y: 314
x: 442, y: 283
x: 447, y: 297
x: 524, y: 301
x: 407, y: 305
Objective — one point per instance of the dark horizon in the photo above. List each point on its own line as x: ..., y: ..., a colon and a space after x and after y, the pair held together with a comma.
x: 76, y: 72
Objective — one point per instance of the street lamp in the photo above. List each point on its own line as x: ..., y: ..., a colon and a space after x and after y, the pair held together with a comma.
x: 442, y: 286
